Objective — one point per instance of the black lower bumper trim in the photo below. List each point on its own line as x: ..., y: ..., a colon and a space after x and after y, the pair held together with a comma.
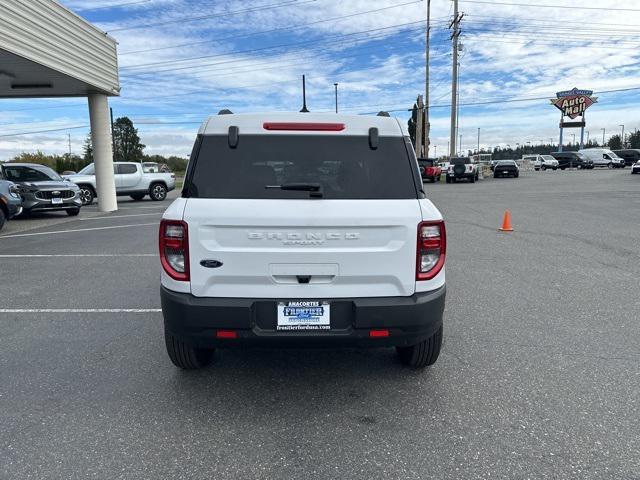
x: 409, y: 320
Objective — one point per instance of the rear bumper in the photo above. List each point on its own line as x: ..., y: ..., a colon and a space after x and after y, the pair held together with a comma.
x: 409, y: 320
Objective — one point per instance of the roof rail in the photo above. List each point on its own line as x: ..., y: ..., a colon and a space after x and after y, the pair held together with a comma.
x: 383, y: 114
x: 225, y: 111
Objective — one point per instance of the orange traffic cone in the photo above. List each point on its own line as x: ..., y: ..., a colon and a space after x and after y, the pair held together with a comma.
x: 506, y: 222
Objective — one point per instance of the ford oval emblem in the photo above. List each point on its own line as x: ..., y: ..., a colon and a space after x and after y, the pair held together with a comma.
x: 211, y: 263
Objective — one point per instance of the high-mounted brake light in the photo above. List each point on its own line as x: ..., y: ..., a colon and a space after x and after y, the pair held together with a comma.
x: 305, y: 126
x: 174, y: 249
x: 431, y: 249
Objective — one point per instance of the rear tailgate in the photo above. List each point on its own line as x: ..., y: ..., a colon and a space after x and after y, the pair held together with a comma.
x: 342, y: 248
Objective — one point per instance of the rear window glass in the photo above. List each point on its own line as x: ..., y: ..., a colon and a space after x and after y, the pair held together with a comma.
x: 344, y: 167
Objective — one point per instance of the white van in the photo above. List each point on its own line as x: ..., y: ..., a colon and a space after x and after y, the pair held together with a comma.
x: 603, y: 157
x: 541, y: 162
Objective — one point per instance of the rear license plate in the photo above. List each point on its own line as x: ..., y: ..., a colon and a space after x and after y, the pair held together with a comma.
x: 56, y: 201
x: 303, y: 315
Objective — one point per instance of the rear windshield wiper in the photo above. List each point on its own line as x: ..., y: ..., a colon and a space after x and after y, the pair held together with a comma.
x: 314, y: 189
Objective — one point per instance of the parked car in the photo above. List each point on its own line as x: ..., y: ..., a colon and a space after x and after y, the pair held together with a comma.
x: 460, y: 168
x: 635, y: 168
x: 630, y: 156
x: 506, y: 168
x: 603, y: 157
x: 572, y: 160
x: 10, y: 201
x: 338, y: 246
x: 130, y: 180
x: 42, y: 189
x: 541, y: 162
x: 429, y: 169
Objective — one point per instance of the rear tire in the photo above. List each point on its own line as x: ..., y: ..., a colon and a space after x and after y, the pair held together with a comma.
x: 138, y: 196
x: 448, y: 180
x: 73, y: 212
x: 423, y: 354
x: 3, y: 218
x: 186, y: 356
x: 87, y: 194
x: 158, y: 192
x: 472, y: 179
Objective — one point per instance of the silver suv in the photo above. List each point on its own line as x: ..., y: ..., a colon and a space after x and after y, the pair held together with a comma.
x: 42, y: 189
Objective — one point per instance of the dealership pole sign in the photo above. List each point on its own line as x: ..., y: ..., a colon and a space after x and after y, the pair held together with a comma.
x: 573, y: 104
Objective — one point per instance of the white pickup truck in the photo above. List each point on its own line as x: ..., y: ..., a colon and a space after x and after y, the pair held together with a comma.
x: 130, y: 180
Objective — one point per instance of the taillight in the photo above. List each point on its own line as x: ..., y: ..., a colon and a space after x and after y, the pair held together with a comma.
x: 174, y: 249
x: 431, y: 249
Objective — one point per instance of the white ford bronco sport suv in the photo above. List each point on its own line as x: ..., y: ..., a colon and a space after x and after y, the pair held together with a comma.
x: 302, y: 230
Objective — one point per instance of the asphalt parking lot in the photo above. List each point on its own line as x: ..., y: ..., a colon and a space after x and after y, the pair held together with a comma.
x: 539, y: 375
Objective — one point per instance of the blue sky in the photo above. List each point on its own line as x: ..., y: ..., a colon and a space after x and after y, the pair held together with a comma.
x: 249, y: 56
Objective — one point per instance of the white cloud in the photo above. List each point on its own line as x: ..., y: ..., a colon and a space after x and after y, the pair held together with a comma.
x: 509, y: 52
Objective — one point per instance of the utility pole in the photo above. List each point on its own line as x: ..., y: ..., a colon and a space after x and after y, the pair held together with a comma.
x: 419, y: 132
x: 455, y: 24
x: 622, y: 137
x: 604, y: 131
x: 478, y: 143
x: 427, y: 124
x: 336, y: 85
x: 69, y: 138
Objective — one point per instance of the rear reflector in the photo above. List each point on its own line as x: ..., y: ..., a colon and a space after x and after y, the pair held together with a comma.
x: 310, y: 127
x: 226, y: 334
x: 379, y: 333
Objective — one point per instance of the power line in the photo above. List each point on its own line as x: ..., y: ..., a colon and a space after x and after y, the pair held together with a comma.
x: 107, y: 7
x: 281, y: 29
x: 288, y: 3
x: 250, y: 67
x: 44, y: 131
x: 538, y: 5
x: 260, y: 49
x: 488, y: 102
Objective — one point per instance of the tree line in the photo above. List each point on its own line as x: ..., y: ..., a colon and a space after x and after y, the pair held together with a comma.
x: 127, y: 147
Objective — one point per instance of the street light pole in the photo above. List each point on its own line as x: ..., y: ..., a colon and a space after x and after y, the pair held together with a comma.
x: 336, y: 85
x: 622, y: 137
x: 427, y: 124
x: 604, y: 131
x: 478, y: 143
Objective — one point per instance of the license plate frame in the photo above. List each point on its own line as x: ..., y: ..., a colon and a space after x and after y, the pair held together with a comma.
x: 303, y: 316
x: 56, y: 201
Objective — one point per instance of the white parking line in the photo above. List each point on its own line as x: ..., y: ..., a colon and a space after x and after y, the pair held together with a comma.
x: 98, y: 255
x: 164, y: 207
x: 78, y: 230
x: 80, y: 310
x: 122, y: 216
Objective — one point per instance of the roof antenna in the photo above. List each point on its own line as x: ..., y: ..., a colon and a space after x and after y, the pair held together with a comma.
x: 304, y: 96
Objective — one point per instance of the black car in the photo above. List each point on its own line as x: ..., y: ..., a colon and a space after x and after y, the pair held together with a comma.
x: 506, y: 168
x: 630, y: 156
x: 42, y: 189
x: 572, y: 160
